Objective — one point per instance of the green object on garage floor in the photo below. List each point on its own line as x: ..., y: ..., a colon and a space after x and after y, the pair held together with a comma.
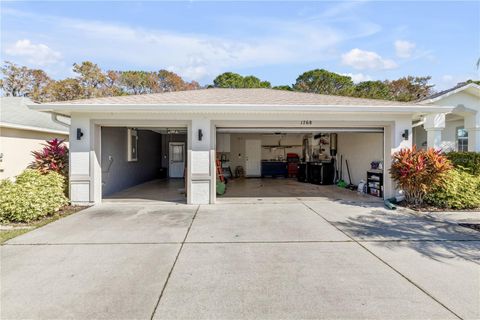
x: 341, y: 184
x: 220, y: 188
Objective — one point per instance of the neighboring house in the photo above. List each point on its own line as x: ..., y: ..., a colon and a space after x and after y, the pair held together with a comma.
x: 22, y: 131
x: 128, y: 140
x: 458, y: 130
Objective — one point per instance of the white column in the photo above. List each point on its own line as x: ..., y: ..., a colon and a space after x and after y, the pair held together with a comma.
x: 472, y: 124
x: 200, y: 175
x: 396, y: 138
x: 434, y: 125
x: 79, y: 167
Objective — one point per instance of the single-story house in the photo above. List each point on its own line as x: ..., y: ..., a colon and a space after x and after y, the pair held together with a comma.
x: 22, y: 131
x: 202, y: 135
x: 457, y: 130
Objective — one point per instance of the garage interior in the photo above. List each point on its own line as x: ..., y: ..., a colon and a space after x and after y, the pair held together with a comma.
x: 141, y: 164
x: 269, y: 162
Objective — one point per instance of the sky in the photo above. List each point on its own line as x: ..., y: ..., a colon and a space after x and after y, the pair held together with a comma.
x: 275, y: 41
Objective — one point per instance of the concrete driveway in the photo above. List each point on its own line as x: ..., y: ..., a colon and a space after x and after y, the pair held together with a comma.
x: 259, y: 259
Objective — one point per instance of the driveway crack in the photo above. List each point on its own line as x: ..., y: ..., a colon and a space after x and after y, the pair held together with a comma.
x: 174, y: 263
x: 384, y: 262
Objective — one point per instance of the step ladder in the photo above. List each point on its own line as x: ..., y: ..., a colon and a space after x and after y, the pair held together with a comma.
x: 220, y: 175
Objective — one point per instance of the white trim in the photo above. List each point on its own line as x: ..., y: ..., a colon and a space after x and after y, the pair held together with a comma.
x: 296, y: 130
x: 30, y: 128
x: 239, y: 108
x: 449, y: 93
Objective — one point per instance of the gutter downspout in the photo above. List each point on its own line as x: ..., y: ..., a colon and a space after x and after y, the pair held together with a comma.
x: 56, y: 120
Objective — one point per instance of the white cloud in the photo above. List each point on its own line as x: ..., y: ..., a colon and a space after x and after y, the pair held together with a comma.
x: 404, y: 49
x: 358, y: 77
x: 37, y: 54
x: 197, y: 56
x: 200, y: 56
x: 361, y: 59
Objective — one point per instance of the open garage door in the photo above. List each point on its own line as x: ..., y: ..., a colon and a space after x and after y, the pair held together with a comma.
x: 143, y: 163
x: 335, y: 163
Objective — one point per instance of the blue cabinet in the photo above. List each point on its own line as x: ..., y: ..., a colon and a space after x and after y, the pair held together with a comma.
x: 274, y: 169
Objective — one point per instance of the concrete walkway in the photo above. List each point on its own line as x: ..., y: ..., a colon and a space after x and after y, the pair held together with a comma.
x: 253, y: 260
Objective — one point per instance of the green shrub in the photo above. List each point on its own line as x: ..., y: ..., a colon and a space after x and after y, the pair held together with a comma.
x: 32, y: 196
x: 461, y: 190
x: 417, y: 171
x: 466, y: 161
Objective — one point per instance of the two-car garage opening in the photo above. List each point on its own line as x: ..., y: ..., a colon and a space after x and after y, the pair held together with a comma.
x: 143, y: 163
x: 150, y: 163
x: 300, y: 162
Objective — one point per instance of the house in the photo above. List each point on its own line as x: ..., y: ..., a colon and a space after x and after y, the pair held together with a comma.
x: 455, y: 131
x: 145, y: 143
x: 22, y: 131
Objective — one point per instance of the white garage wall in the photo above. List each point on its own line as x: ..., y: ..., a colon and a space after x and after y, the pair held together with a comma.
x: 360, y: 149
x: 237, y: 146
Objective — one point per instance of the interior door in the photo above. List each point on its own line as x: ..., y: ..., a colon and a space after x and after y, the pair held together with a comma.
x: 177, y: 159
x: 253, y: 155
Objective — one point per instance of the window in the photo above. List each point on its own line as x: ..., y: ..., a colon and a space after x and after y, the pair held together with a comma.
x: 462, y: 139
x: 177, y: 153
x: 132, y: 154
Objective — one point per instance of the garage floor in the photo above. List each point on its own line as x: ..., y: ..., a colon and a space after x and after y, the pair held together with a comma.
x: 290, y: 188
x: 166, y: 190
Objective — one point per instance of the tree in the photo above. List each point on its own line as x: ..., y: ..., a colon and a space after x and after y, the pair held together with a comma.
x: 410, y: 88
x: 91, y: 78
x: 170, y: 81
x: 16, y: 80
x: 39, y: 84
x: 283, y: 87
x: 134, y: 82
x: 254, y: 82
x: 234, y: 80
x: 324, y: 82
x: 372, y: 90
x: 63, y: 90
x: 228, y: 80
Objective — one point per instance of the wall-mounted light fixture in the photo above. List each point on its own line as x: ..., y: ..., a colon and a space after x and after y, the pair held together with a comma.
x: 200, y: 134
x: 405, y: 134
x: 79, y: 134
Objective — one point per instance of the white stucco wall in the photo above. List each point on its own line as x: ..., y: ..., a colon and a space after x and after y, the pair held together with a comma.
x: 467, y: 107
x: 17, y: 145
x: 85, y: 173
x: 360, y: 149
x: 237, y: 146
x: 449, y: 136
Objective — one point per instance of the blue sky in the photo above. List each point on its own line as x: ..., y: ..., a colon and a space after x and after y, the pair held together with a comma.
x: 275, y: 41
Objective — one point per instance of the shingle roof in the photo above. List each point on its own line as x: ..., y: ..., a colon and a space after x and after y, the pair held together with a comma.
x: 14, y: 111
x: 444, y: 92
x: 233, y: 97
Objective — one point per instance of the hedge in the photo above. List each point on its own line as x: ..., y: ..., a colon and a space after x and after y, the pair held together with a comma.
x: 32, y: 196
x: 466, y: 161
x: 460, y: 190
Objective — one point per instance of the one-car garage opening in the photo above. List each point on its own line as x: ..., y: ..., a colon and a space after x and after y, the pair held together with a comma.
x: 143, y: 164
x: 299, y: 162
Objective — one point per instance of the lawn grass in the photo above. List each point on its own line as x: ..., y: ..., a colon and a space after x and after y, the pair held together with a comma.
x: 19, y: 229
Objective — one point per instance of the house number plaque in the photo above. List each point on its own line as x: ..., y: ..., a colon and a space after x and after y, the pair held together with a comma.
x: 306, y: 122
